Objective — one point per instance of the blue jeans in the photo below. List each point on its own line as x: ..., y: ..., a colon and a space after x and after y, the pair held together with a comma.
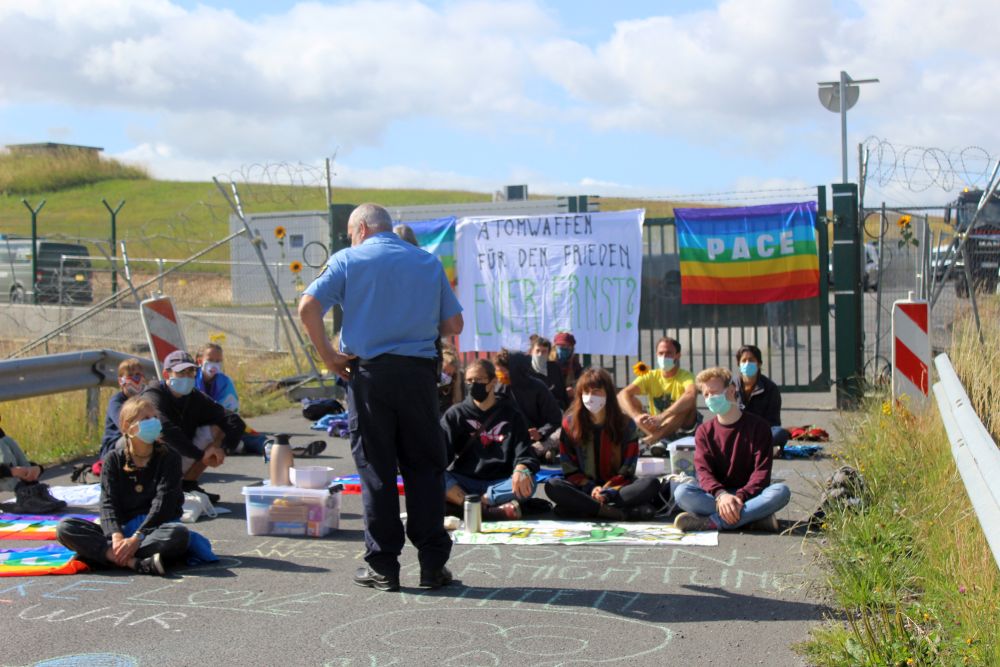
x: 496, y: 491
x: 779, y: 436
x: 691, y: 498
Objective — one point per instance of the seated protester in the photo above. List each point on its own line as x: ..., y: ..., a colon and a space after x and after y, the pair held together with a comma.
x: 450, y: 383
x: 210, y: 379
x: 759, y: 396
x: 567, y: 361
x: 214, y: 383
x: 673, y: 408
x: 489, y: 449
x: 131, y: 381
x: 183, y: 409
x: 547, y: 370
x: 536, y: 402
x: 20, y: 475
x: 598, y: 449
x: 141, y: 498
x: 732, y: 461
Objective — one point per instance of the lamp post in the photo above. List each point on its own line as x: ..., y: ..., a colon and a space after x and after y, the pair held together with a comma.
x: 839, y: 96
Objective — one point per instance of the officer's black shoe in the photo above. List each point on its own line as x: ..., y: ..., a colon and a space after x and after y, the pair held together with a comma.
x: 369, y: 578
x: 435, y: 578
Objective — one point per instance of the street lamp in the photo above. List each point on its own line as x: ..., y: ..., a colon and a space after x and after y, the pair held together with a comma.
x: 839, y: 96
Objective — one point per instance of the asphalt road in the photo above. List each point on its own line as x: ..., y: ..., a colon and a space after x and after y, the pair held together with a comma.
x: 290, y: 601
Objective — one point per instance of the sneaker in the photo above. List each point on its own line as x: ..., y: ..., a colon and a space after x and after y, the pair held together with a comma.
x: 435, y: 578
x: 507, y: 512
x: 152, y: 565
x: 369, y: 578
x: 192, y: 485
x: 690, y: 522
x: 768, y: 524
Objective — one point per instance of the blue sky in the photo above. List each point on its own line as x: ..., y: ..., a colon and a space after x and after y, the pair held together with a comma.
x: 638, y: 98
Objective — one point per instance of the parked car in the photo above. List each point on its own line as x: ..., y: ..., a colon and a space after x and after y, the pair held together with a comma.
x: 941, y: 259
x: 869, y: 270
x: 63, y: 272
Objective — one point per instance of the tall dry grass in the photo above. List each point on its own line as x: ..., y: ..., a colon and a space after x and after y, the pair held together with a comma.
x: 49, y: 172
x: 978, y: 362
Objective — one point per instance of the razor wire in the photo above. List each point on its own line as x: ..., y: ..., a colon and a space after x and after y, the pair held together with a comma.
x: 922, y: 168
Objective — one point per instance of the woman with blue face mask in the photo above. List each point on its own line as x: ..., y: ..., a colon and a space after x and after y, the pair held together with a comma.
x: 141, y: 501
x: 759, y: 395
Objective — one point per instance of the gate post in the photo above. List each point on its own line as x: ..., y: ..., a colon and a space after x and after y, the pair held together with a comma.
x: 847, y: 294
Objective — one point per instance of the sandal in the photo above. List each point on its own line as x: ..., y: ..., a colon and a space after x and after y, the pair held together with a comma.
x: 314, y: 448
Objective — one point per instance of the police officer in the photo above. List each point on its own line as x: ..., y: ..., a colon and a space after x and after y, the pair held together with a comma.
x: 396, y: 302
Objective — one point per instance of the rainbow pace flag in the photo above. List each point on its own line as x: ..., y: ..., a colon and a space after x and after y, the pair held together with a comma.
x: 747, y: 255
x: 438, y: 238
x: 43, y: 559
x: 34, y: 527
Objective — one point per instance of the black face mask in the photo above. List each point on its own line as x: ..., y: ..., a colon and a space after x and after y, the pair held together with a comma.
x: 477, y: 390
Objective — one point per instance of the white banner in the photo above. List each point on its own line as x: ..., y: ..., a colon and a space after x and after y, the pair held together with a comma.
x: 577, y: 272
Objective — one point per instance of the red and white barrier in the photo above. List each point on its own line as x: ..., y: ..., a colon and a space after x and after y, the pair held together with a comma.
x: 163, y: 329
x: 911, y: 353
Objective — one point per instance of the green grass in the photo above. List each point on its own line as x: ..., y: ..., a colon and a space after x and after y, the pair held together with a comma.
x: 173, y: 219
x: 911, y: 575
x: 50, y: 172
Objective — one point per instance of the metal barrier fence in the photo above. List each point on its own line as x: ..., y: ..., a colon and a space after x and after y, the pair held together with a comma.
x: 975, y: 453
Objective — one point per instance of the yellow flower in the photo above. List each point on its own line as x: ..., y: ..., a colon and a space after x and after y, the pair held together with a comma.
x: 887, y: 408
x: 640, y: 368
x: 904, y: 221
x: 295, y: 266
x: 217, y: 338
x: 279, y: 232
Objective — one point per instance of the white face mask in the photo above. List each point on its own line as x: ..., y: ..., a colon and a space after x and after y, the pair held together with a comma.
x: 445, y: 379
x: 211, y: 368
x: 539, y: 363
x: 594, y: 403
x: 665, y: 363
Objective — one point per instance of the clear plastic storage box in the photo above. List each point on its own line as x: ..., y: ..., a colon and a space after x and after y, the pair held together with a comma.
x: 289, y: 510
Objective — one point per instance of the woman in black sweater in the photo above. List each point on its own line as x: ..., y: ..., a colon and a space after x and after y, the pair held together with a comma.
x: 141, y: 498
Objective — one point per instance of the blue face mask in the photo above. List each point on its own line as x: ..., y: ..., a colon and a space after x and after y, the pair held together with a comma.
x: 563, y: 354
x: 182, y: 386
x: 749, y: 369
x: 149, y: 429
x: 718, y: 404
x: 665, y: 363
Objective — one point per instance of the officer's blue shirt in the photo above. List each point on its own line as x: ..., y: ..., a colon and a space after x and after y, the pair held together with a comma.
x: 394, y: 297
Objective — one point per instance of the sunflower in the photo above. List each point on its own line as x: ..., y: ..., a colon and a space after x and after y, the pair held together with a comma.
x: 295, y: 266
x: 904, y: 221
x: 640, y: 368
x: 279, y: 232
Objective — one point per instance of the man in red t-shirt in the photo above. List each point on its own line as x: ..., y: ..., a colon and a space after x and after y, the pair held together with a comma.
x: 732, y: 461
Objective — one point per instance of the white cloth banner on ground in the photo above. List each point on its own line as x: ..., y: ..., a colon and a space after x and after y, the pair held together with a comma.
x: 582, y: 532
x: 577, y: 272
x: 84, y: 495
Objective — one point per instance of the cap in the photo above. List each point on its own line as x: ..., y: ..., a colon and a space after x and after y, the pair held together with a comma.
x: 178, y: 360
x: 564, y: 338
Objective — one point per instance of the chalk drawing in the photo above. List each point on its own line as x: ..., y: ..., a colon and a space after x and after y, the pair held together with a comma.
x: 492, y: 635
x: 89, y: 660
x: 250, y: 602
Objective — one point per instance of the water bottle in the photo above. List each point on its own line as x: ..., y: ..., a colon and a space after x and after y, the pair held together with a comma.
x: 473, y: 514
x: 281, y: 461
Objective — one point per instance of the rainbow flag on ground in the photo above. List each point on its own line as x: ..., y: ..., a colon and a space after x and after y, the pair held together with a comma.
x: 35, y: 561
x: 438, y: 238
x: 34, y: 527
x: 751, y: 254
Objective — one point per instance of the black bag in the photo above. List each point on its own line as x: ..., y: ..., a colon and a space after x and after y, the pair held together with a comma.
x: 313, y: 409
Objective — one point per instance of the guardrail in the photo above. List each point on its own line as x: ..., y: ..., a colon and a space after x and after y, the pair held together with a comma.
x: 68, y: 371
x: 975, y: 453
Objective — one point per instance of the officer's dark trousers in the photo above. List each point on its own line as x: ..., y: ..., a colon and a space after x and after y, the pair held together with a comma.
x: 393, y: 406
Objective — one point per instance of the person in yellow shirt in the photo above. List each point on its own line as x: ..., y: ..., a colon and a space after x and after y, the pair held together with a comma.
x: 671, y: 393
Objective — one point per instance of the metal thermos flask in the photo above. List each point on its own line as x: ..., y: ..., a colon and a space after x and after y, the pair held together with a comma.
x: 473, y: 514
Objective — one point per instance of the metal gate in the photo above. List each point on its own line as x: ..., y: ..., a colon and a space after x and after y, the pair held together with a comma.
x: 794, y: 336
